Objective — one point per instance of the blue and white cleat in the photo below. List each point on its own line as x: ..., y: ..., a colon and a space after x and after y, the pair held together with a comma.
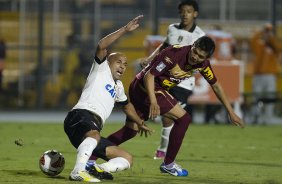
x: 175, y: 170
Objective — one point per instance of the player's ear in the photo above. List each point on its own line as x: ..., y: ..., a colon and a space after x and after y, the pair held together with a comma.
x: 196, y: 14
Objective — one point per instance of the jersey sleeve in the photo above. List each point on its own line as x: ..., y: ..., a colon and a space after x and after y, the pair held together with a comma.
x: 162, y: 62
x: 98, y: 60
x: 98, y: 65
x: 208, y: 73
x: 197, y: 33
x: 121, y: 96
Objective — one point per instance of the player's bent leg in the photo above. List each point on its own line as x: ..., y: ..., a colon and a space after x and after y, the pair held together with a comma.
x: 115, y: 165
x: 181, y: 123
x: 165, y: 131
x: 94, y: 134
x: 176, y: 137
x: 84, y: 151
x: 100, y: 152
x: 175, y: 113
x: 115, y: 151
x: 127, y: 132
x: 119, y: 159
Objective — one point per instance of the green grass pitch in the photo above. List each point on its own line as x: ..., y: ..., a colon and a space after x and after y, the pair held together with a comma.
x: 220, y: 154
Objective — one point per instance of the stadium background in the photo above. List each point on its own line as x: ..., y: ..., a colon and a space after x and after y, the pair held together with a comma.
x: 50, y: 42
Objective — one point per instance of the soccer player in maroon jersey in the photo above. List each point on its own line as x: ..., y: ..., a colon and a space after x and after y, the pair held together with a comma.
x: 149, y: 94
x: 185, y: 32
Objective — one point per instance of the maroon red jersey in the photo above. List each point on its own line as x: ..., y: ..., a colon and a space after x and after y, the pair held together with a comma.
x: 171, y: 66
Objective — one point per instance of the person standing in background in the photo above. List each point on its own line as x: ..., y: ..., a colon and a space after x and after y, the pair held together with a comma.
x: 266, y: 49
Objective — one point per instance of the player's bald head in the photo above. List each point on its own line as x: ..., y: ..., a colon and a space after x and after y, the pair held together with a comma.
x: 117, y: 62
x: 115, y: 56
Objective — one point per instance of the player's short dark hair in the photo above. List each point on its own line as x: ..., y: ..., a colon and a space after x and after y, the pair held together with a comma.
x: 192, y: 3
x: 206, y: 44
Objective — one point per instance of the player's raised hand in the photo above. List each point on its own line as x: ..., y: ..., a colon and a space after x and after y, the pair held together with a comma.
x: 133, y: 24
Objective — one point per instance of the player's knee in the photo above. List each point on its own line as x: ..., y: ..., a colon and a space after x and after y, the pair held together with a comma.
x: 129, y: 158
x: 94, y: 134
x: 126, y: 156
x: 184, y: 121
x: 115, y: 151
x: 167, y: 122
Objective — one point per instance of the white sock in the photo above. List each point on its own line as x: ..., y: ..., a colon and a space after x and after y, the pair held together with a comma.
x: 115, y: 164
x: 84, y: 152
x: 164, y: 138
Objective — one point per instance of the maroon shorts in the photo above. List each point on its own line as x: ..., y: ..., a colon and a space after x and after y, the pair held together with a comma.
x: 140, y: 99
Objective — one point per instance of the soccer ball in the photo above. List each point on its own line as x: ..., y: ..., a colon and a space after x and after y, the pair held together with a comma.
x: 52, y: 162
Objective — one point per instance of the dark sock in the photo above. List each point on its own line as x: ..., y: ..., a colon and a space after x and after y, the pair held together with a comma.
x: 122, y: 135
x: 176, y: 136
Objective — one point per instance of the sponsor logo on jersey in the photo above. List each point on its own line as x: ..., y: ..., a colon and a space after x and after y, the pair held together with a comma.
x: 111, y: 90
x: 160, y: 66
x: 168, y: 84
x: 167, y: 59
x: 208, y: 73
x: 177, y: 72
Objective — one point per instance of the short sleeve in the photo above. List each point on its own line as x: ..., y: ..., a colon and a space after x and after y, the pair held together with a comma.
x: 208, y: 73
x: 121, y: 96
x: 162, y: 62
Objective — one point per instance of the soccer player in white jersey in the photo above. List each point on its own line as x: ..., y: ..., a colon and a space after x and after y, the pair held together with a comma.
x: 184, y: 33
x: 85, y: 121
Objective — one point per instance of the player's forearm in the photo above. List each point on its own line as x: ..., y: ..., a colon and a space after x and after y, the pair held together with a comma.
x: 111, y: 38
x: 219, y: 92
x: 149, y: 81
x: 130, y: 111
x: 153, y: 54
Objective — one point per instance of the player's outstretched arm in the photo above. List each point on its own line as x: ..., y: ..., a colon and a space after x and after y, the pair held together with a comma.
x: 131, y: 113
x: 147, y: 60
x: 149, y: 81
x: 144, y: 62
x: 219, y: 92
x: 105, y: 42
